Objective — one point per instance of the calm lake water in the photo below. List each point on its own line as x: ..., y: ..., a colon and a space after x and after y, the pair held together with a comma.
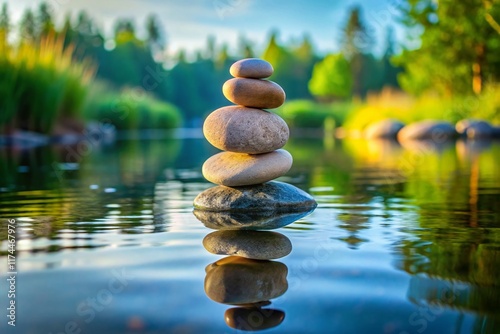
x: 404, y: 240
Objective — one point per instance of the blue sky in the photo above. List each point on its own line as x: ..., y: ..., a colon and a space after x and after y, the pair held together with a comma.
x: 188, y: 22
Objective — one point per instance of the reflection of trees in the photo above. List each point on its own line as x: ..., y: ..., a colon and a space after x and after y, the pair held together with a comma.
x: 104, y: 191
x: 453, y: 253
x: 353, y: 223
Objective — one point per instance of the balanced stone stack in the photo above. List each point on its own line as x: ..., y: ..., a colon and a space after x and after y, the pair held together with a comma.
x: 252, y: 139
x: 251, y: 136
x: 246, y: 199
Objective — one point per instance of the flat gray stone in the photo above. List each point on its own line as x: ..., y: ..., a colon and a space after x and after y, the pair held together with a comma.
x: 387, y: 128
x: 258, y: 245
x: 270, y: 196
x: 436, y: 131
x: 236, y: 280
x: 251, y: 220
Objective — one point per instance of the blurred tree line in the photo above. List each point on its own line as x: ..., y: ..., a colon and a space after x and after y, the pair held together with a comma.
x: 194, y: 85
x: 459, y: 49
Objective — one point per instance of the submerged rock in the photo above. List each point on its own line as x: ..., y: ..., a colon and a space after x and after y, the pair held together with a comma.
x: 236, y: 280
x: 252, y: 220
x: 259, y: 245
x: 437, y: 131
x: 387, y: 128
x: 271, y: 196
x: 253, y: 318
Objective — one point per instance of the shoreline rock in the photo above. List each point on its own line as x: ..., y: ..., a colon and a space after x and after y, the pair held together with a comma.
x: 437, y: 131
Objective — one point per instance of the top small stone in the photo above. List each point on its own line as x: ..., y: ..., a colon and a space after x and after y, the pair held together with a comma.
x: 254, y: 68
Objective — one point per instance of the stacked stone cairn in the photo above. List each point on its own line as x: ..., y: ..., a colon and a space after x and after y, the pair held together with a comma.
x: 252, y: 139
x: 246, y: 200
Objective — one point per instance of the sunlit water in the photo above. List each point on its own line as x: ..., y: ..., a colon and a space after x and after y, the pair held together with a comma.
x: 404, y: 240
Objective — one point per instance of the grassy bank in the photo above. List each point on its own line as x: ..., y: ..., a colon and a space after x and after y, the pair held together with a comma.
x: 354, y: 115
x: 40, y: 84
x: 131, y: 109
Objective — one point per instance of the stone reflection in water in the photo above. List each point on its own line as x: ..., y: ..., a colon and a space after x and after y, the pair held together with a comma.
x: 258, y: 245
x: 253, y: 318
x: 249, y: 284
x: 241, y: 220
x: 236, y: 280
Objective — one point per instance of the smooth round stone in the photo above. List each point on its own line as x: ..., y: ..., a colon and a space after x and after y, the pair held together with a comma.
x: 240, y: 169
x: 258, y: 245
x: 236, y: 280
x: 261, y: 201
x: 252, y: 220
x: 436, y: 131
x: 387, y: 128
x: 256, y: 93
x: 251, y: 68
x: 245, y: 130
x: 471, y: 128
x: 253, y: 318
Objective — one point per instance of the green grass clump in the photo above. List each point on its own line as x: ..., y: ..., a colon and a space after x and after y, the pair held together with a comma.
x: 40, y: 83
x: 311, y: 114
x: 132, y: 109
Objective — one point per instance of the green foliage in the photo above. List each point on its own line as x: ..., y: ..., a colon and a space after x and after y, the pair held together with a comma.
x: 310, y: 114
x: 42, y: 84
x: 460, y: 49
x: 331, y: 78
x: 407, y: 110
x: 131, y: 109
x: 292, y: 65
x: 356, y: 38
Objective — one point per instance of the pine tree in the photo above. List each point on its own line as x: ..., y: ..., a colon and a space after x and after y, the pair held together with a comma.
x: 154, y: 31
x: 4, y: 23
x: 45, y: 23
x: 245, y: 49
x: 356, y: 38
x: 27, y: 28
x: 4, y: 19
x: 357, y: 43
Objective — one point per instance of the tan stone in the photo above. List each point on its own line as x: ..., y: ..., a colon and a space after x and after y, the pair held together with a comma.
x: 258, y: 245
x: 245, y: 130
x: 251, y: 68
x: 240, y: 169
x: 254, y: 93
x: 387, y: 128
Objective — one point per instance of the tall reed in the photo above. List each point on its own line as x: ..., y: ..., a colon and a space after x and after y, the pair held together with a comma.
x: 41, y: 83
